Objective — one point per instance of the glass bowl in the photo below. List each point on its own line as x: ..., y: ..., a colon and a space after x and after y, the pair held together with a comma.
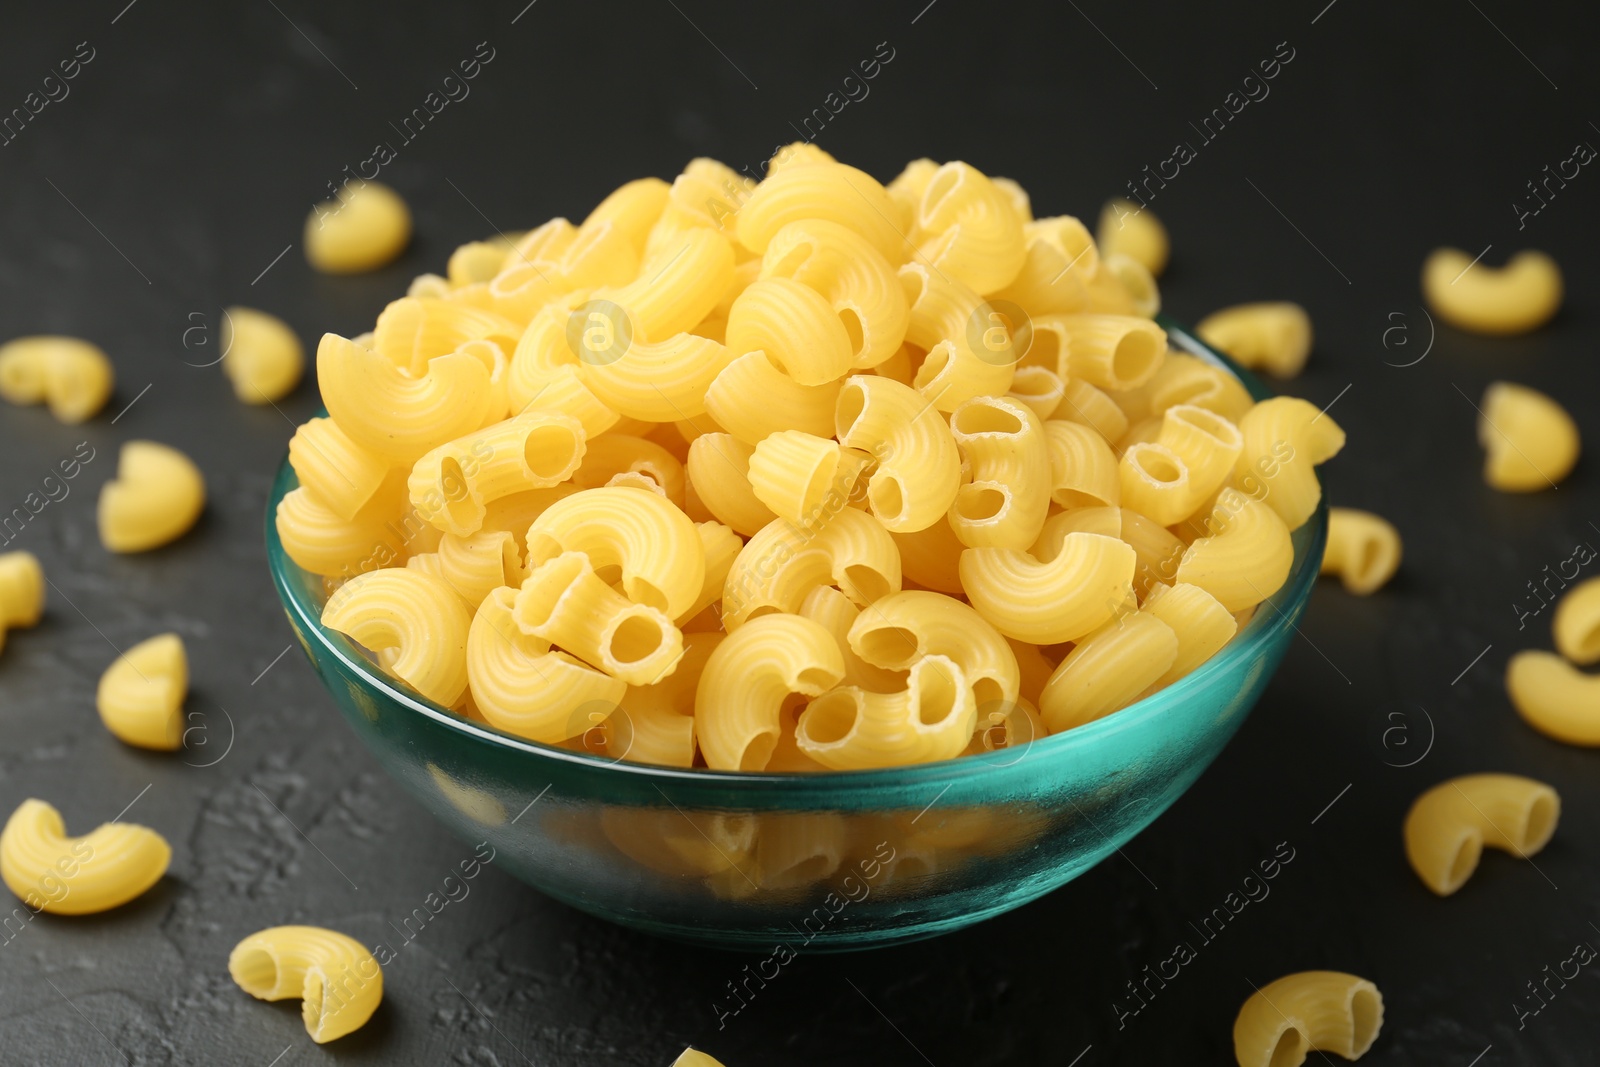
x: 781, y: 864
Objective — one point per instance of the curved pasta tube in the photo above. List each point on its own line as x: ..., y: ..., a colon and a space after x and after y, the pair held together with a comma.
x: 836, y: 613
x: 1011, y: 463
x: 931, y: 557
x: 661, y: 382
x: 906, y: 190
x: 107, y: 867
x: 1155, y: 548
x: 562, y: 391
x: 140, y: 696
x: 1529, y: 440
x: 450, y: 485
x: 751, y: 398
x: 417, y: 616
x: 708, y: 193
x: 904, y: 628
x: 340, y: 474
x: 971, y: 350
x: 411, y: 331
x: 156, y: 497
x: 933, y: 718
x: 833, y: 192
x: 795, y: 326
x: 1017, y: 196
x: 322, y: 543
x: 1155, y: 481
x: 852, y: 276
x: 1082, y: 403
x: 619, y: 454
x: 1199, y: 620
x: 784, y: 562
x: 1516, y: 298
x: 21, y: 591
x: 804, y: 479
x: 477, y: 564
x: 338, y: 983
x: 677, y: 286
x: 719, y: 471
x: 1246, y: 559
x: 657, y: 723
x: 652, y: 542
x: 1449, y: 826
x: 1108, y: 670
x: 747, y: 679
x: 1126, y: 228
x: 969, y: 229
x: 1313, y: 1011
x: 1040, y: 388
x: 919, y: 469
x: 477, y: 261
x: 722, y: 546
x: 632, y: 209
x: 1273, y: 336
x: 564, y: 602
x: 1555, y: 698
x: 1576, y: 624
x: 73, y: 377
x: 1283, y: 439
x: 1185, y: 379
x: 1116, y: 352
x: 381, y: 408
x: 1363, y: 550
x: 1207, y: 443
x: 1059, y: 262
x: 524, y: 687
x: 1135, y: 281
x: 1087, y: 582
x: 364, y: 229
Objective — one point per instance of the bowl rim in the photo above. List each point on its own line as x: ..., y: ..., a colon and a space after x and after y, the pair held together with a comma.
x: 1246, y: 647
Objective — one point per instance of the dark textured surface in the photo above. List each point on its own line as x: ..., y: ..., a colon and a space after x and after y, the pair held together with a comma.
x: 184, y: 160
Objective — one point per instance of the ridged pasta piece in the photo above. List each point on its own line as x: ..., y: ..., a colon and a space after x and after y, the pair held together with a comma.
x: 1135, y: 281
x: 1185, y: 379
x: 1247, y: 557
x: 969, y: 343
x: 340, y: 474
x: 616, y: 454
x: 1082, y: 403
x: 804, y: 479
x: 1207, y: 443
x: 337, y: 981
x: 418, y: 616
x: 262, y: 356
x: 1284, y: 439
x: 657, y: 723
x: 748, y: 677
x: 140, y: 696
x: 381, y: 408
x: 837, y: 614
x: 1105, y: 521
x: 1555, y: 698
x: 652, y: 542
x: 156, y: 497
x: 1363, y: 550
x: 719, y: 471
x: 784, y: 562
x: 708, y: 193
x: 476, y: 261
x: 1273, y: 336
x: 70, y: 375
x: 676, y: 286
x: 365, y: 228
x: 1011, y: 466
x: 1040, y: 388
x: 968, y: 228
x: 751, y: 398
x: 1155, y: 481
x: 321, y: 542
x: 1108, y: 670
x: 1449, y: 826
x: 1500, y: 301
x: 1200, y: 622
x: 919, y: 469
x: 931, y: 557
x: 1114, y: 352
x: 1156, y: 549
x: 564, y: 602
x: 833, y: 192
x: 450, y: 485
x: 1576, y: 624
x: 1086, y: 584
x: 849, y: 728
x: 1060, y: 258
x: 412, y: 331
x: 476, y: 564
x: 1130, y: 229
x: 1015, y: 725
x: 526, y: 688
x: 906, y: 190
x: 1312, y: 1011
x: 1529, y: 440
x: 565, y: 392
x: 632, y: 209
x: 901, y: 629
x: 49, y: 871
x: 852, y: 276
x: 795, y: 326
x: 21, y: 591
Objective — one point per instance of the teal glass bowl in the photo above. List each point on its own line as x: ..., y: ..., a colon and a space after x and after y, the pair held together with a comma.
x: 780, y: 864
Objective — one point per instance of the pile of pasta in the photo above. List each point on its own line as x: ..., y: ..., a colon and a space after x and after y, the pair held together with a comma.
x: 807, y: 474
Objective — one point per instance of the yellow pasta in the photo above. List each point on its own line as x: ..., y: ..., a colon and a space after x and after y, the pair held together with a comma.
x: 747, y: 679
x: 1519, y: 297
x: 1363, y: 550
x: 1086, y: 583
x: 1184, y: 379
x: 1108, y: 670
x: 337, y: 981
x: 323, y: 543
x: 450, y: 486
x: 411, y: 331
x: 156, y: 497
x: 829, y: 191
x: 658, y: 724
x: 1283, y: 439
x: 1060, y: 261
x: 782, y: 563
x: 105, y: 868
x: 1116, y: 352
x: 969, y: 229
x: 1449, y: 826
x: 1155, y: 481
x: 366, y: 228
x: 1312, y: 1011
x: 1082, y: 403
x: 900, y: 630
x: 632, y: 209
x: 798, y: 330
x: 804, y: 479
x: 474, y: 565
x: 476, y: 261
x: 719, y: 470
x: 969, y: 343
x: 931, y: 557
x: 919, y: 468
x: 1126, y: 228
x: 849, y: 728
x: 1529, y: 440
x: 1135, y: 281
x: 417, y: 616
x: 1576, y: 624
x: 565, y: 602
x: 751, y: 398
x: 1200, y: 622
x: 1246, y: 559
x: 677, y: 285
x: 1011, y: 466
x: 21, y: 591
x: 622, y: 459
x: 1040, y: 388
x: 140, y: 696
x: 340, y: 474
x: 1271, y: 336
x: 262, y: 357
x: 837, y: 614
x: 381, y: 407
x: 1207, y: 443
x: 695, y: 1058
x: 852, y: 276
x: 1555, y: 698
x: 72, y: 376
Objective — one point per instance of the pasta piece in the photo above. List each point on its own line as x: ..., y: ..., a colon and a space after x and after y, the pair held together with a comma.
x: 919, y: 469
x: 140, y: 697
x: 751, y: 398
x: 380, y: 407
x: 564, y: 602
x: 262, y: 357
x: 1126, y: 228
x: 1040, y: 388
x: 451, y: 485
x: 477, y: 564
x: 1449, y: 826
x: 1312, y: 1011
x: 1059, y: 262
x: 677, y: 285
x: 156, y: 497
x: 632, y: 209
x: 852, y: 276
x: 1159, y: 552
x: 906, y: 190
x: 782, y: 563
x: 342, y: 476
x: 1010, y: 461
x: 412, y: 331
x: 1108, y: 670
x: 49, y: 871
x: 969, y: 229
x: 1363, y: 550
x: 477, y: 261
x: 1201, y: 623
x: 1283, y: 439
x: 21, y: 591
x: 73, y: 377
x: 338, y: 983
x: 800, y: 333
x: 563, y: 392
x: 748, y: 677
x: 658, y: 724
x: 1576, y: 625
x: 931, y: 719
x: 1155, y: 481
x: 1530, y: 441
x: 1555, y: 698
x: 1136, y: 282
x: 1006, y: 726
x: 971, y: 350
x: 1086, y: 584
x: 903, y: 629
x: 1185, y: 379
x: 321, y: 542
x: 1108, y: 351
x: 365, y: 228
x: 931, y: 557
x: 1084, y: 404
x: 1246, y: 559
x: 803, y: 479
x: 1273, y: 336
x: 829, y: 191
x: 836, y: 613
x: 1516, y: 298
x: 719, y: 471
x: 417, y: 616
x: 1207, y: 443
